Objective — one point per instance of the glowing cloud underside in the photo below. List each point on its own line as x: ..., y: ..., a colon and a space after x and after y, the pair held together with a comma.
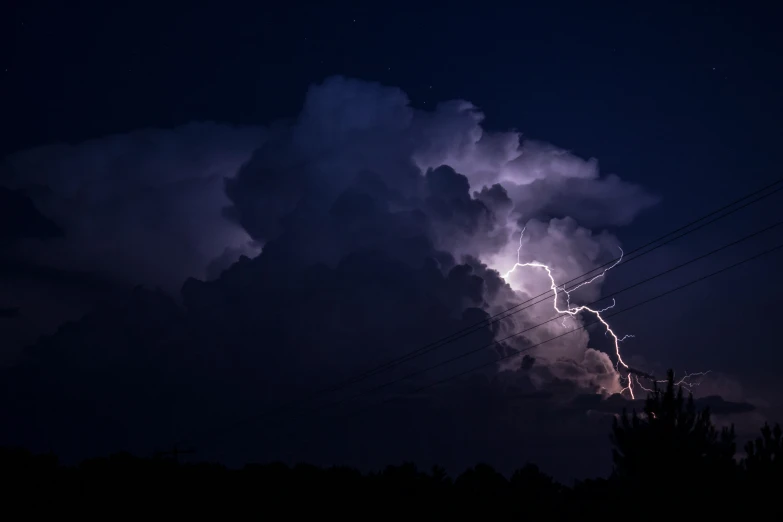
x: 187, y: 202
x: 571, y: 310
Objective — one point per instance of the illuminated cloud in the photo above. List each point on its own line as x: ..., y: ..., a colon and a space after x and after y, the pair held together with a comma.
x: 159, y: 206
x: 383, y: 228
x: 143, y: 207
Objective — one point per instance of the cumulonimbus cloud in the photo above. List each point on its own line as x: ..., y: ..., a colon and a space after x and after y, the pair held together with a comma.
x: 143, y: 207
x: 158, y: 206
x: 383, y: 226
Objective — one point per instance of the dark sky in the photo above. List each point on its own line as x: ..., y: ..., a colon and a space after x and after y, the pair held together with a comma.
x: 667, y: 84
x: 681, y: 99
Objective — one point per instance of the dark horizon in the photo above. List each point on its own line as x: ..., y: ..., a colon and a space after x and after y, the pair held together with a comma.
x: 235, y: 226
x: 671, y: 437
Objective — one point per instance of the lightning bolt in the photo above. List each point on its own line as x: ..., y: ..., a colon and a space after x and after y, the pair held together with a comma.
x: 686, y: 381
x: 575, y: 310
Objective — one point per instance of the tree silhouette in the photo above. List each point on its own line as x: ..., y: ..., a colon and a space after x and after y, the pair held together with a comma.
x: 765, y: 453
x: 671, y: 440
x: 763, y: 466
x: 670, y: 461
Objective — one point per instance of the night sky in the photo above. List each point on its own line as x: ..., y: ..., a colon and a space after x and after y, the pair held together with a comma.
x: 121, y: 123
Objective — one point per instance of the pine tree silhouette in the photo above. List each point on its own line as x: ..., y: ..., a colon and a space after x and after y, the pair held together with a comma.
x: 672, y: 441
x: 765, y: 453
x: 763, y: 467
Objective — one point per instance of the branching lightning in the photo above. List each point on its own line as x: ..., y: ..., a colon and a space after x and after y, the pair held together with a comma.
x: 685, y: 381
x: 569, y: 310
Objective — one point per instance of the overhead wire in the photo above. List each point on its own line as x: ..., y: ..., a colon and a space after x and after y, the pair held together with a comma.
x: 519, y: 307
x: 516, y: 353
x: 499, y: 342
x: 627, y: 309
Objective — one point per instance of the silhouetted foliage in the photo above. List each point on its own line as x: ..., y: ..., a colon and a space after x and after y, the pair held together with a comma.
x: 763, y: 464
x: 671, y: 435
x: 765, y: 453
x: 668, y: 460
x: 675, y: 452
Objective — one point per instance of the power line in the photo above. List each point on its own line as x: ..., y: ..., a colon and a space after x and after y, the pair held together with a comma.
x: 521, y: 332
x: 516, y: 353
x: 518, y: 307
x: 547, y: 295
x: 500, y: 316
x: 499, y: 342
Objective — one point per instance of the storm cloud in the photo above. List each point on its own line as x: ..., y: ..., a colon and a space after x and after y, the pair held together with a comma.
x: 142, y: 207
x: 304, y: 253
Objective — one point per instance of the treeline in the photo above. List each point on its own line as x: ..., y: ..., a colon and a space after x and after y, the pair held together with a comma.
x: 669, y: 461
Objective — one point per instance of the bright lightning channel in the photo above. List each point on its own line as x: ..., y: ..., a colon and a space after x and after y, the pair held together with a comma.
x: 685, y: 381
